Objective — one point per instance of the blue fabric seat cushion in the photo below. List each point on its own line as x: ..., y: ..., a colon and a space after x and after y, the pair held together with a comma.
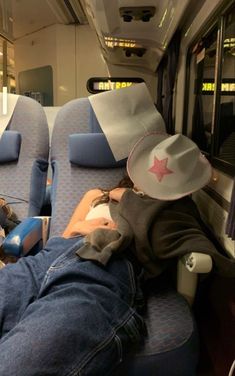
x: 92, y: 150
x: 10, y: 144
x: 94, y: 125
x: 171, y: 346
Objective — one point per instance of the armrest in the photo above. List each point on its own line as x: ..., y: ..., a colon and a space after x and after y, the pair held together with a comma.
x: 23, y: 238
x: 187, y: 273
x: 197, y: 262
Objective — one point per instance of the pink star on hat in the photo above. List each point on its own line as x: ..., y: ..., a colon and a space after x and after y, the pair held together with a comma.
x: 160, y: 169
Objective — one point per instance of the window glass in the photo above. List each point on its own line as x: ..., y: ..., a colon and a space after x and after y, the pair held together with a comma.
x: 210, y: 115
x: 204, y: 67
x: 11, y: 82
x: 226, y: 123
x: 7, y: 66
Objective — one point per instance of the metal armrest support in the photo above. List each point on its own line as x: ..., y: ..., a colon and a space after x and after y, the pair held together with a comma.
x: 187, y: 273
x: 30, y: 233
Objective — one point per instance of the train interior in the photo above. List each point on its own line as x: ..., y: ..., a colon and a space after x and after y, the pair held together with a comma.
x: 57, y: 52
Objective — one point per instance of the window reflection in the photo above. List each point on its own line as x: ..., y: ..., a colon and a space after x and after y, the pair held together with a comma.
x: 204, y: 63
x: 226, y: 149
x: 11, y: 81
x: 205, y: 104
x: 7, y: 66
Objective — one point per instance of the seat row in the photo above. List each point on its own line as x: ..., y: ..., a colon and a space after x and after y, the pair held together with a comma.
x: 81, y: 161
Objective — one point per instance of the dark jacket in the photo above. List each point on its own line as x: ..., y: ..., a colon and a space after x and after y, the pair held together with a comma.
x: 157, y: 231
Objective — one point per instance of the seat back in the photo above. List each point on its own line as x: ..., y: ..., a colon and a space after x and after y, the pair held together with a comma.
x: 170, y: 347
x: 71, y: 181
x: 24, y: 150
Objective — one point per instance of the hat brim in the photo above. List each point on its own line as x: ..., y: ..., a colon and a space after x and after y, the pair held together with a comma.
x: 200, y: 175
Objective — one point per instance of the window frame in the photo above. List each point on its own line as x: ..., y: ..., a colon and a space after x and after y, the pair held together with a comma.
x: 219, y: 22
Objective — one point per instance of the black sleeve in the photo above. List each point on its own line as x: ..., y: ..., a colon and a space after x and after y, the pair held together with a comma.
x: 178, y: 230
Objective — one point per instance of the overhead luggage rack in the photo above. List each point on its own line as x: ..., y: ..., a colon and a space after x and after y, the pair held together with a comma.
x: 147, y: 25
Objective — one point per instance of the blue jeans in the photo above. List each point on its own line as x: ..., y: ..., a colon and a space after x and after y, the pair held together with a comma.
x: 60, y: 315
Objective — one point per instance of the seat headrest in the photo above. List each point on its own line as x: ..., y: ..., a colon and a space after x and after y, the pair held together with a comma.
x: 92, y: 150
x: 10, y: 144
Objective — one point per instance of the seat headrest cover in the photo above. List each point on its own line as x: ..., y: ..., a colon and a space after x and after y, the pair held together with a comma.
x: 93, y: 122
x: 10, y: 143
x: 92, y: 150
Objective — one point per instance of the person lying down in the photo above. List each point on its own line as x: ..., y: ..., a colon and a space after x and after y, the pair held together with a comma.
x: 69, y: 309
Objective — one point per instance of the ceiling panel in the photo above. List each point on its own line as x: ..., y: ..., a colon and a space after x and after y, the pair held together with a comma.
x: 31, y: 15
x: 137, y: 42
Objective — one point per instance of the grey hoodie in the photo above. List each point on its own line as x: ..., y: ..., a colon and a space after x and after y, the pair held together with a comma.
x: 156, y: 231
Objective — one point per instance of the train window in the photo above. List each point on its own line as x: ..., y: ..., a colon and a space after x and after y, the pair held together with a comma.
x: 210, y: 120
x: 98, y: 84
x: 225, y: 149
x: 204, y: 57
x: 7, y: 64
x: 11, y: 80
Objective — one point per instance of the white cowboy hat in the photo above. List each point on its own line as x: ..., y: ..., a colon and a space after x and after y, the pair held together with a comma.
x: 167, y: 167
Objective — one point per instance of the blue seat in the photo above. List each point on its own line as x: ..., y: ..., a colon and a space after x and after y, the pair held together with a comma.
x: 78, y: 163
x: 24, y: 151
x: 23, y: 179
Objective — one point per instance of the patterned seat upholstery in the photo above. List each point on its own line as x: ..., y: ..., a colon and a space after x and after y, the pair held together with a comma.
x: 170, y: 347
x: 23, y: 181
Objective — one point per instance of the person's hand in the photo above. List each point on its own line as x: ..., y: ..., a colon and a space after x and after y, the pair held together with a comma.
x: 87, y: 226
x: 116, y: 194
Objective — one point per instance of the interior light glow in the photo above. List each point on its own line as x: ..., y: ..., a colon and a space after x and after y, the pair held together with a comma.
x: 225, y: 86
x: 111, y: 85
x: 163, y: 19
x: 63, y: 88
x: 172, y: 12
x: 229, y: 42
x: 118, y: 42
x: 12, y: 82
x: 99, y: 84
x: 187, y: 31
x: 4, y: 100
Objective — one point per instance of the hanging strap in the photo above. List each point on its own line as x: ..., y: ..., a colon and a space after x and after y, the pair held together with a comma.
x: 11, y: 100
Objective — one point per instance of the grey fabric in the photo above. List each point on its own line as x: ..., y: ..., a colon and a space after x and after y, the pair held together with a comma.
x: 17, y: 183
x: 10, y: 143
x: 168, y: 317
